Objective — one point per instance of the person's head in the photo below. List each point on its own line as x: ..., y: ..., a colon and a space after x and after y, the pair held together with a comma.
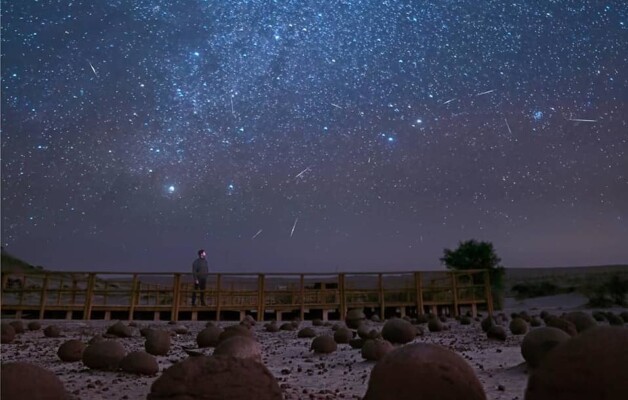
x: 201, y: 253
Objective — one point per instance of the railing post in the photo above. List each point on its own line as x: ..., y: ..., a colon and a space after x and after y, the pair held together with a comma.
x: 218, y: 296
x: 382, y: 302
x: 487, y: 292
x: 134, y: 296
x: 261, y: 298
x: 302, y: 294
x: 418, y: 284
x: 343, y: 299
x: 454, y: 287
x: 44, y: 295
x: 74, y: 287
x: 91, y: 282
x: 175, y: 296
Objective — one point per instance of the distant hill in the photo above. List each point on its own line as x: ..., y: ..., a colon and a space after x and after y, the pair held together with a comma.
x: 12, y: 264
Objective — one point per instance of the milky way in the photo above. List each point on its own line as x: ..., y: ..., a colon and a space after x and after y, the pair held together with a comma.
x: 313, y: 136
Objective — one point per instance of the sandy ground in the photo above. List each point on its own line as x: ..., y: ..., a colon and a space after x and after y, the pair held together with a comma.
x: 300, y: 373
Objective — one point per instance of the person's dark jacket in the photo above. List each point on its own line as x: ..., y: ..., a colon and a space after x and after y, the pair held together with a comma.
x: 200, y: 269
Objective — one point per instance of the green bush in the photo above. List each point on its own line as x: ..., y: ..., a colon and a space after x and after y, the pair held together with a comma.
x: 607, y: 294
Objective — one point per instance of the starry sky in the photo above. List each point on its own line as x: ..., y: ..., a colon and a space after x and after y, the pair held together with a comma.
x: 315, y: 135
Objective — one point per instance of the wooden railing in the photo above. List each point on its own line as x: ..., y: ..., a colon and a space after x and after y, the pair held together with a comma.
x: 88, y: 295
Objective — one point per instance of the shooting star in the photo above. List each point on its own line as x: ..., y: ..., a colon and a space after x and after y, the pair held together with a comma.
x: 300, y: 174
x: 336, y: 105
x: 294, y: 226
x: 448, y: 101
x: 93, y: 69
x: 582, y: 120
x: 508, y: 126
x: 232, y: 112
x: 487, y: 92
x: 257, y: 234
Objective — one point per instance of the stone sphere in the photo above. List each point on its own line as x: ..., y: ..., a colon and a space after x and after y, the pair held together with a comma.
x: 287, y: 326
x: 209, y: 337
x: 241, y: 347
x: 324, y: 344
x: 539, y: 342
x: 496, y: 332
x: 52, y: 331
x: 271, y: 327
x: 8, y: 333
x: 235, y: 330
x: 120, y: 330
x: 581, y: 320
x: 71, y: 350
x: 423, y: 371
x: 217, y: 377
x: 26, y: 381
x: 354, y: 318
x: 487, y: 323
x: 518, y: 326
x: 34, y: 326
x: 18, y: 325
x: 139, y: 362
x: 374, y: 350
x: 343, y: 335
x: 317, y: 322
x: 306, y: 333
x: 104, y: 355
x: 157, y: 342
x: 561, y: 323
x: 366, y: 331
x: 398, y: 331
x: 435, y: 325
x: 356, y: 343
x: 592, y: 365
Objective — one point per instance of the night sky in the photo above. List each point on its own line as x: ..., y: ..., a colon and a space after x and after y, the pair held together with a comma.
x: 313, y: 135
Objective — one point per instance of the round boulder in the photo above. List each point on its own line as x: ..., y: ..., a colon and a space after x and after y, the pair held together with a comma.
x: 139, y: 362
x: 104, y: 355
x: 374, y: 350
x: 287, y: 326
x: 535, y: 322
x: 271, y: 327
x: 399, y: 331
x: 356, y: 343
x: 209, y: 337
x: 518, y: 326
x: 561, y: 323
x: 496, y: 332
x: 581, y: 320
x: 216, y: 378
x: 241, y: 347
x: 343, y: 335
x: 366, y: 331
x: 317, y: 322
x: 52, y: 331
x: 538, y: 342
x: 120, y: 330
x: 26, y: 381
x: 8, y: 333
x: 435, y: 325
x: 235, y: 330
x: 71, y: 350
x: 423, y: 371
x: 34, y: 326
x: 592, y: 365
x: 354, y: 318
x: 18, y: 325
x: 157, y: 342
x: 306, y: 333
x: 324, y: 344
x: 487, y: 323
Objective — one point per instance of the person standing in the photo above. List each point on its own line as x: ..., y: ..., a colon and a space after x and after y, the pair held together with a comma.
x: 199, y: 273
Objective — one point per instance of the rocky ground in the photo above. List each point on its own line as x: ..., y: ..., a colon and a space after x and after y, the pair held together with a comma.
x: 301, y: 373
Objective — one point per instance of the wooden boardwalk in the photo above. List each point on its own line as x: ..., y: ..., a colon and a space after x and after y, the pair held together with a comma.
x: 167, y: 296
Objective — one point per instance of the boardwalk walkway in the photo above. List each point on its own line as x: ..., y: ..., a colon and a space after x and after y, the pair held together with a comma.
x: 167, y: 296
